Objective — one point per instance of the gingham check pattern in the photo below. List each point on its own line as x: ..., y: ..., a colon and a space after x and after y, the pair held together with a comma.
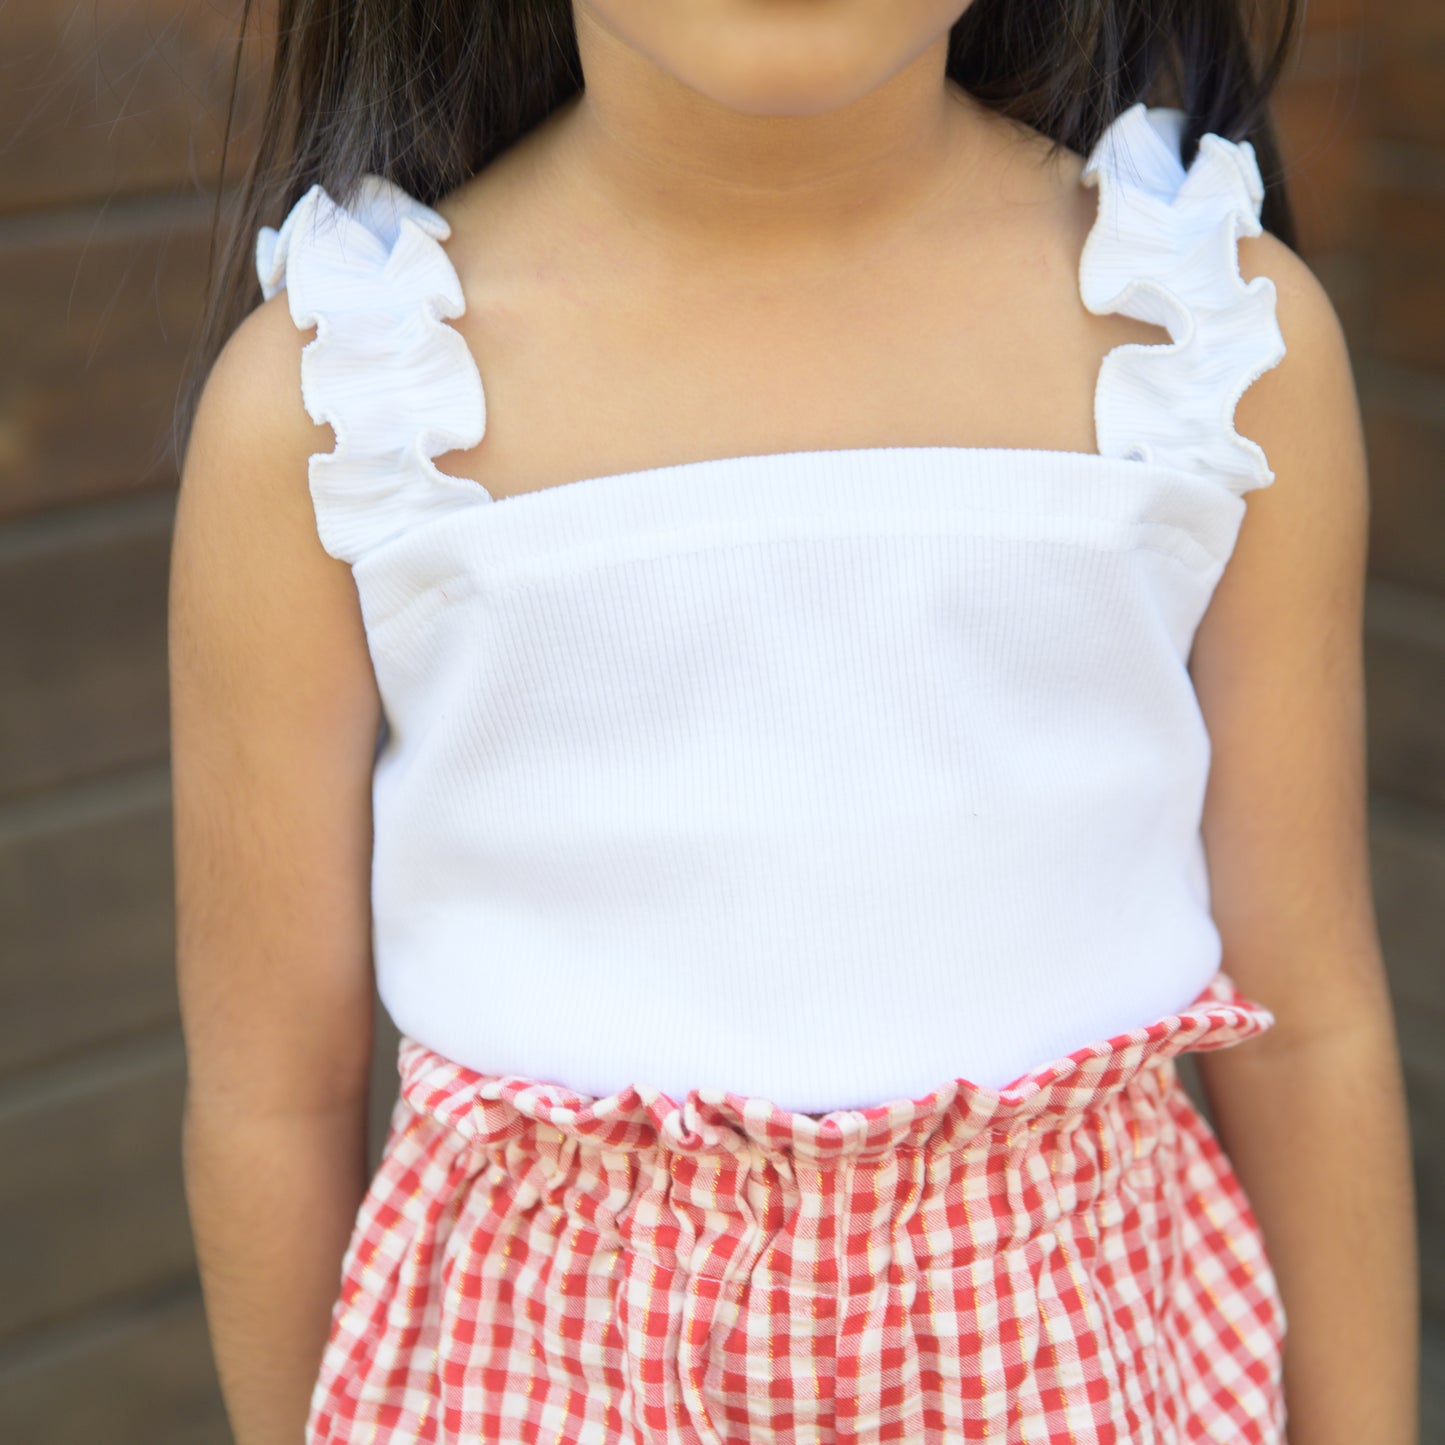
x: 1068, y: 1259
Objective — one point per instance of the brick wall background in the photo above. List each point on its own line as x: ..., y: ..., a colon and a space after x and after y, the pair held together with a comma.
x: 109, y: 138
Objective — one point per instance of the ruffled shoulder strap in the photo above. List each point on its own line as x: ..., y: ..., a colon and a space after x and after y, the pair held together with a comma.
x: 1164, y: 249
x: 396, y: 383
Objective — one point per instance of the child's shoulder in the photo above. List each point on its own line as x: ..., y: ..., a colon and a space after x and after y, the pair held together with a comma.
x: 251, y: 403
x: 1317, y: 361
x: 1255, y: 329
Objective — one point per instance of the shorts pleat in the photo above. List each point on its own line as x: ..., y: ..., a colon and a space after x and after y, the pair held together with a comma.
x: 1068, y: 1259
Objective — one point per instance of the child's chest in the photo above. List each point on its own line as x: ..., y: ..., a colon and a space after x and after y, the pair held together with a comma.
x: 595, y: 364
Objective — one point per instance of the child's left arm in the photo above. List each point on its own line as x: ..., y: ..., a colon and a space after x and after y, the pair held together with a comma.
x: 1312, y: 1113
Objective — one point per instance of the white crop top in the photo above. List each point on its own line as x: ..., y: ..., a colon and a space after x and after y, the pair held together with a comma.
x: 826, y: 776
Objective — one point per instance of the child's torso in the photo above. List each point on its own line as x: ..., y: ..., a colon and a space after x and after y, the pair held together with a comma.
x: 787, y: 686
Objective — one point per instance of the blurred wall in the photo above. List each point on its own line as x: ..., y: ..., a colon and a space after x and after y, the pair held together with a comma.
x: 110, y: 116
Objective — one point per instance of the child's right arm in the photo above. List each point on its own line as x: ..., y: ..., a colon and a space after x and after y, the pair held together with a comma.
x: 274, y: 716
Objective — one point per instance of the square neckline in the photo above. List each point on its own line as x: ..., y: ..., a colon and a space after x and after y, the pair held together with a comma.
x: 818, y: 495
x: 772, y: 458
x: 799, y: 455
x: 1159, y: 248
x: 754, y: 461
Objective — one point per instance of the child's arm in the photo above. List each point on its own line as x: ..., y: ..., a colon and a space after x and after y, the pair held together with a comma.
x: 274, y: 717
x: 1312, y: 1113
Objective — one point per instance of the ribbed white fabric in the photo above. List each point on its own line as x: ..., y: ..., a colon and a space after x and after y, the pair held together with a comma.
x: 824, y: 776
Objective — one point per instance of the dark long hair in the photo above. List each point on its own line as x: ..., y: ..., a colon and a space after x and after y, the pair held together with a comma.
x: 427, y: 92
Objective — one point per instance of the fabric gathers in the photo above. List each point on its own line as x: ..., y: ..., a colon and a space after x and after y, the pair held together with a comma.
x: 1069, y: 1261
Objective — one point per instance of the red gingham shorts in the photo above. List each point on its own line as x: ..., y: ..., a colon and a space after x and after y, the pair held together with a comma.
x: 1068, y: 1259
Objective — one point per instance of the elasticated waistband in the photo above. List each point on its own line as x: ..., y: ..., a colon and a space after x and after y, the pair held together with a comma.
x: 498, y: 1109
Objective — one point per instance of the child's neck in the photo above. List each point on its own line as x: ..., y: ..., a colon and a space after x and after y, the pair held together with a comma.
x: 673, y: 160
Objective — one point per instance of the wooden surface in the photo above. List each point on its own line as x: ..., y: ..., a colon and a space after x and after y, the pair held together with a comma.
x: 111, y: 98
x: 106, y: 313
x: 83, y: 643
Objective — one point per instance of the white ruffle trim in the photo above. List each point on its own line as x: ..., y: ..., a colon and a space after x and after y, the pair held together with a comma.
x: 1164, y: 249
x: 398, y: 385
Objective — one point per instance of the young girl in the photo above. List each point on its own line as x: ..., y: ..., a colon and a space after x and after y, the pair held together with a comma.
x: 760, y: 741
